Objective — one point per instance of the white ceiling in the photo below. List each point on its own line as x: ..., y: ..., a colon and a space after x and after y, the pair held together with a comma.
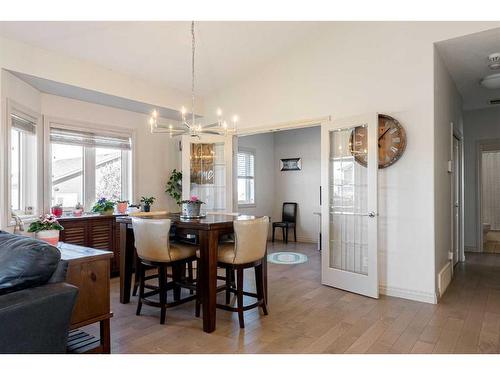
x: 161, y: 51
x: 467, y: 61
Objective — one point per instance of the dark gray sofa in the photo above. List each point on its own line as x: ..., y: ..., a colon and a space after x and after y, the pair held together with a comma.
x: 35, y: 303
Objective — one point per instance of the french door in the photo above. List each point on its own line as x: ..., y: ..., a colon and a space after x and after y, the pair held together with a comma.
x: 207, y: 171
x: 349, y: 167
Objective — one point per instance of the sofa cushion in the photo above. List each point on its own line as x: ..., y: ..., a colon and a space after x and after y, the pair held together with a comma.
x: 25, y: 262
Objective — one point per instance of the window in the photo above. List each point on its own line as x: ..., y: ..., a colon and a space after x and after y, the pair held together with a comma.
x: 246, y: 177
x: 87, y: 166
x: 23, y: 163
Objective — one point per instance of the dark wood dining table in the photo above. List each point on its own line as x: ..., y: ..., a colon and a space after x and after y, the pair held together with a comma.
x: 208, y: 230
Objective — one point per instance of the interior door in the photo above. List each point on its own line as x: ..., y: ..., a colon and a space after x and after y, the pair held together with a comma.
x: 207, y: 171
x: 349, y: 167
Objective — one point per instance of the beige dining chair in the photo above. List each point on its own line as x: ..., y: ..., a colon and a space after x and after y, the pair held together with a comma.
x: 151, y: 213
x: 152, y: 243
x: 248, y: 251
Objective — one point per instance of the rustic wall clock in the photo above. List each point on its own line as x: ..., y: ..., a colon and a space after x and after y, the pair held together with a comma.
x: 391, y: 142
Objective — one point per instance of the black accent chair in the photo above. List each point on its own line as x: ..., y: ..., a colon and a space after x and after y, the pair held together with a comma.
x: 288, y: 220
x: 35, y: 303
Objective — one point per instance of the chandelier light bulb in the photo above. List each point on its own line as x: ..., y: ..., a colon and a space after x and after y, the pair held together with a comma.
x: 224, y: 125
x: 170, y: 126
x: 235, y: 118
x: 155, y: 114
x: 151, y: 121
x: 219, y: 112
x: 183, y: 110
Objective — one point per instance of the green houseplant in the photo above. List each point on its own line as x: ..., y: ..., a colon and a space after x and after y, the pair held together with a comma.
x: 104, y: 207
x: 147, y: 202
x: 174, y: 186
x: 46, y: 228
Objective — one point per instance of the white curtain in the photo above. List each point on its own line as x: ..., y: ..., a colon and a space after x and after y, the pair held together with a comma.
x: 490, y: 194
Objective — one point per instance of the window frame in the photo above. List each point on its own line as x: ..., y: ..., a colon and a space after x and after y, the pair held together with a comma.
x: 26, y: 188
x: 248, y: 151
x: 128, y: 160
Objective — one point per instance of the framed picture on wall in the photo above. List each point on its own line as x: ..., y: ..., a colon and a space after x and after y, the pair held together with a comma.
x: 292, y: 164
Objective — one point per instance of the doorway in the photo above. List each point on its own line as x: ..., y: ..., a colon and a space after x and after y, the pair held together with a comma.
x: 457, y: 199
x: 489, y: 197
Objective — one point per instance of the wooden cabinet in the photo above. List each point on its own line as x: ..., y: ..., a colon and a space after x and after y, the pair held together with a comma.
x: 98, y: 232
x: 89, y: 271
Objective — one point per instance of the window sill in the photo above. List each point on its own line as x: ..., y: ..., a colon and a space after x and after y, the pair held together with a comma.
x: 247, y: 205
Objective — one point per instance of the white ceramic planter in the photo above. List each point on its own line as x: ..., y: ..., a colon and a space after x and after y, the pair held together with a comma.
x: 50, y: 236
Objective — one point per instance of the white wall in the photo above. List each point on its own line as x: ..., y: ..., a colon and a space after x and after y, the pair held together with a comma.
x: 156, y: 155
x: 447, y: 110
x: 479, y: 125
x: 273, y: 187
x: 360, y: 67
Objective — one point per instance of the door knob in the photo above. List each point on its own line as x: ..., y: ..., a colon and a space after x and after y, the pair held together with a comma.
x: 372, y: 214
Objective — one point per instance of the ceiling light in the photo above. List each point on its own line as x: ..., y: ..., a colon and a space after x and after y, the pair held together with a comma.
x: 492, y: 81
x: 188, y: 125
x: 494, y: 60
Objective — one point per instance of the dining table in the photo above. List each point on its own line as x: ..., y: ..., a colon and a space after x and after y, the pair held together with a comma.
x: 207, y: 230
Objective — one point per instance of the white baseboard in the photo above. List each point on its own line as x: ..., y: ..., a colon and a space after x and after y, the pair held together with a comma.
x: 444, y: 278
x: 414, y: 295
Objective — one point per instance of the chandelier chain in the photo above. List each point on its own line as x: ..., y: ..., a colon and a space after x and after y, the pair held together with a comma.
x: 193, y: 47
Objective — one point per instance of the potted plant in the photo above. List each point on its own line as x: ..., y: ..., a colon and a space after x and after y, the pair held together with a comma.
x: 174, y: 186
x: 46, y: 228
x: 191, y: 207
x: 78, y: 211
x: 122, y: 206
x: 104, y: 207
x: 147, y: 202
x: 57, y: 210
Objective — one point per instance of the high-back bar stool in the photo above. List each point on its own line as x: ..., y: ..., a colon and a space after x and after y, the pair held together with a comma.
x: 248, y: 251
x: 154, y: 249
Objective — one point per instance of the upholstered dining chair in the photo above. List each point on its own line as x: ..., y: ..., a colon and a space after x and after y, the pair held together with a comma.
x: 152, y: 242
x: 248, y: 251
x: 288, y: 220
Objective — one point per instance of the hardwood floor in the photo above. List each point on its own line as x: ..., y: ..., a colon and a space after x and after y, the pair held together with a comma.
x: 307, y: 317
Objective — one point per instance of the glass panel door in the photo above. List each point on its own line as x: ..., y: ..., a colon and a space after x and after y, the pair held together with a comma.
x: 207, y: 171
x: 349, y: 180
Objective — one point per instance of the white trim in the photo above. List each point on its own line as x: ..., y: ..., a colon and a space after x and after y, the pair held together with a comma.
x: 14, y: 107
x: 253, y: 152
x: 289, y: 125
x: 445, y: 276
x: 414, y: 295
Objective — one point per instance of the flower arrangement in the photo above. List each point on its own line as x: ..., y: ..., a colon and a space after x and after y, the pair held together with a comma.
x: 191, y: 207
x: 45, y: 222
x: 193, y: 200
x: 78, y: 210
x: 57, y: 210
x: 104, y: 207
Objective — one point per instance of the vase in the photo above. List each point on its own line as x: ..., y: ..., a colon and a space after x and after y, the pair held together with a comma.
x: 146, y: 208
x: 49, y: 236
x: 108, y: 212
x: 77, y: 212
x: 57, y: 211
x: 191, y: 209
x: 122, y: 207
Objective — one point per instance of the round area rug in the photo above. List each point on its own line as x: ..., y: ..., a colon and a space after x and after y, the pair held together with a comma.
x: 286, y: 257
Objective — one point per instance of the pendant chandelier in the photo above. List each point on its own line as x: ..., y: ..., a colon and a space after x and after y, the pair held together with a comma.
x: 190, y: 126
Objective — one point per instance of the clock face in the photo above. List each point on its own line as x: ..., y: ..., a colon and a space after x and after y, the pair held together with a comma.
x: 391, y: 142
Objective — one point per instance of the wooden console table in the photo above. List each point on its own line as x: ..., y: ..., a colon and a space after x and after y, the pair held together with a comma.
x: 89, y: 270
